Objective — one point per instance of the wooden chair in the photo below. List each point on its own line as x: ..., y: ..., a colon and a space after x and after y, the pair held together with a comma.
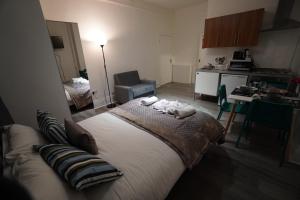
x: 225, y: 106
x: 274, y: 115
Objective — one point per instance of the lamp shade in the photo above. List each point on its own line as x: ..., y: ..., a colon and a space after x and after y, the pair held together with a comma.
x: 102, y: 41
x: 5, y: 117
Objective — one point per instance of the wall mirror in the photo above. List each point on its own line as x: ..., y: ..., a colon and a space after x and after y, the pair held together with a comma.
x: 67, y: 48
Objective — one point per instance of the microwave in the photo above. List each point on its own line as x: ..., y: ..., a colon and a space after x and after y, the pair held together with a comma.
x: 241, y: 65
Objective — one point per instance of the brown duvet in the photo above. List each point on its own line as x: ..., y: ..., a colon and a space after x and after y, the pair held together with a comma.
x: 189, y: 137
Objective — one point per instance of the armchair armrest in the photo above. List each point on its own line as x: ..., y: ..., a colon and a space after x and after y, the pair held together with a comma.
x: 123, y: 93
x: 123, y: 87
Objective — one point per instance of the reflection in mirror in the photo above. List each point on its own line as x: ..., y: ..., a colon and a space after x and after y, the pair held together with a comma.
x: 68, y: 53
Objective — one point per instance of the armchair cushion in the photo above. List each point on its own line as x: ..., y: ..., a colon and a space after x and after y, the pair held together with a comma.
x: 141, y: 89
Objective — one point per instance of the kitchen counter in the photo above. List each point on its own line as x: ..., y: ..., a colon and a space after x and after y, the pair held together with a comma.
x: 256, y: 72
x: 208, y: 80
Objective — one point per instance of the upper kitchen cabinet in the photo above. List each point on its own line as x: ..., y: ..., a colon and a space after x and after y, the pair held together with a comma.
x: 249, y: 27
x: 212, y: 26
x: 240, y: 29
x: 228, y: 31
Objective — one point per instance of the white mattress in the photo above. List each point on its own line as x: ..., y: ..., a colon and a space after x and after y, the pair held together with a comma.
x: 150, y: 167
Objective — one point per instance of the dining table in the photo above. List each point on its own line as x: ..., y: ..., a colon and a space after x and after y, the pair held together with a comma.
x: 295, y: 101
x: 238, y: 98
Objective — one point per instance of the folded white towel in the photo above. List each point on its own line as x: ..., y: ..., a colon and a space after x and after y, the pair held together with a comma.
x: 180, y: 110
x: 161, y: 105
x: 184, y: 112
x: 173, y: 106
x: 149, y: 100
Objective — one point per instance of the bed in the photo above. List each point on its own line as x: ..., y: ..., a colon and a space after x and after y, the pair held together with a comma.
x: 150, y: 166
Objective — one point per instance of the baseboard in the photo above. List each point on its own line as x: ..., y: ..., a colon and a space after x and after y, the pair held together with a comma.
x: 103, y: 102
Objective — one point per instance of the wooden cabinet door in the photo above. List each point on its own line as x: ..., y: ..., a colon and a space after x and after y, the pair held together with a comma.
x: 228, y: 30
x: 240, y: 29
x: 249, y: 27
x: 211, y: 32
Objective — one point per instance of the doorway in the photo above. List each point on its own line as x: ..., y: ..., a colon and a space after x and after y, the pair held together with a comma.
x: 165, y: 65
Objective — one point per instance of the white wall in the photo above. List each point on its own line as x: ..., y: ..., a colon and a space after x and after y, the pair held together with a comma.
x: 132, y: 33
x: 78, y: 46
x: 29, y: 78
x: 70, y: 59
x: 188, y: 31
x: 66, y: 57
x: 275, y: 49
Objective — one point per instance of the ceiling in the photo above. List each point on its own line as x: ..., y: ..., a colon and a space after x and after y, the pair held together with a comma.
x: 173, y: 4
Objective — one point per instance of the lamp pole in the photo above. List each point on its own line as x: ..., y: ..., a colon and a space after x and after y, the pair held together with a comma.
x: 111, y: 105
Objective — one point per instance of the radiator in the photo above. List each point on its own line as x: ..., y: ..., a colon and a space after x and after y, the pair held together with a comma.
x: 182, y: 73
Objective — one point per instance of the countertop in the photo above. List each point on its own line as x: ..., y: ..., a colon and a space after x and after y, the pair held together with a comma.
x: 257, y: 72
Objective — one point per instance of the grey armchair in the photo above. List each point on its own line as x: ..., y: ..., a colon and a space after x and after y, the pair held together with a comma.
x: 128, y: 86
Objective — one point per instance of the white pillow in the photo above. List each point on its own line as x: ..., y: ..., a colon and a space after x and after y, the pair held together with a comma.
x: 31, y: 170
x: 20, y: 141
x: 41, y: 180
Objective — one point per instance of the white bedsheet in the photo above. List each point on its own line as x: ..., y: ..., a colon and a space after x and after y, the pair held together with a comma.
x: 150, y: 167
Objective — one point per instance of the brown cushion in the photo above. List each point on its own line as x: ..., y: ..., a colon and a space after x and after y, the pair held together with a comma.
x: 80, y: 138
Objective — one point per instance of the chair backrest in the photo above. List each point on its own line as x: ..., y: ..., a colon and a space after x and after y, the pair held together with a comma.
x: 292, y: 89
x: 222, y: 94
x: 275, y: 115
x: 127, y: 78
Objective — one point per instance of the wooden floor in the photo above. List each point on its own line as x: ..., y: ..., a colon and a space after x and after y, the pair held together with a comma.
x: 226, y: 172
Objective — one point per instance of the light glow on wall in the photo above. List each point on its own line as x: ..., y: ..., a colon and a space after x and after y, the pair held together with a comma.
x: 96, y: 36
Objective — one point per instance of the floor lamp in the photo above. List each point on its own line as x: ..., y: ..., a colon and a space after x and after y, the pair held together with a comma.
x: 111, y: 105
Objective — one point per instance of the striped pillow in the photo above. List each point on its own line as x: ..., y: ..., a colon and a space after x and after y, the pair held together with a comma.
x: 78, y: 168
x: 51, y: 128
